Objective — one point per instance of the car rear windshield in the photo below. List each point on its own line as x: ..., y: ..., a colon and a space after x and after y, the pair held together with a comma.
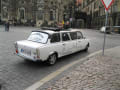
x: 39, y: 37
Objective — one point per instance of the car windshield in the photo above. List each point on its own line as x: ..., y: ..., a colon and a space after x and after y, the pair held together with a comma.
x: 38, y: 37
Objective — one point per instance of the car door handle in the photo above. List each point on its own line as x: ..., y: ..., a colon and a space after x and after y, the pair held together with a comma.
x: 79, y: 41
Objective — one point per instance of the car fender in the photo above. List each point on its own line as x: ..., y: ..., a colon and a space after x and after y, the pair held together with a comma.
x: 54, y: 52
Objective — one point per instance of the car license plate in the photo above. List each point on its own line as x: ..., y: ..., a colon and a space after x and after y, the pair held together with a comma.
x: 25, y: 51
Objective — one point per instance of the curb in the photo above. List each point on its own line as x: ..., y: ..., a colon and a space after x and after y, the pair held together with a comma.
x: 115, y: 34
x: 58, y: 72
x: 51, y: 76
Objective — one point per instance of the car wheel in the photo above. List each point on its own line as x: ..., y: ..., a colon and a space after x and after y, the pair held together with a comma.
x: 27, y: 60
x: 52, y: 59
x: 86, y: 48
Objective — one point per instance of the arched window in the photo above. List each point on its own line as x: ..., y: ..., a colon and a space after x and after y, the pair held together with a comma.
x: 22, y: 13
x: 51, y: 15
x: 5, y: 12
x: 40, y: 14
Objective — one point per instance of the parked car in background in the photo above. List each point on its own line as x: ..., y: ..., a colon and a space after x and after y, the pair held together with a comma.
x: 116, y: 29
x: 50, y: 44
x: 105, y: 29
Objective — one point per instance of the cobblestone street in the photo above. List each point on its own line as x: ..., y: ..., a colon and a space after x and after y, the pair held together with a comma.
x: 16, y: 74
x: 98, y: 73
x: 59, y: 44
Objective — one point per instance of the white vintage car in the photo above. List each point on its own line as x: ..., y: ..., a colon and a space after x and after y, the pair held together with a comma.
x: 50, y: 44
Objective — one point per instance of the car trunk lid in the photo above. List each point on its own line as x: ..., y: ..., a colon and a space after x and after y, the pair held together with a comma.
x: 28, y: 49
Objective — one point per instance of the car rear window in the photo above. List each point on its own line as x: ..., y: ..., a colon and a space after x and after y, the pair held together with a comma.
x: 39, y: 37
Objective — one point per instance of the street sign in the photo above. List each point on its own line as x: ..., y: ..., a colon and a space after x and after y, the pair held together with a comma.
x: 107, y: 3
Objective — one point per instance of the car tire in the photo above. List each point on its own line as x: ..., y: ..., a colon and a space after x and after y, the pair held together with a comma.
x: 52, y: 59
x: 86, y: 48
x: 27, y: 60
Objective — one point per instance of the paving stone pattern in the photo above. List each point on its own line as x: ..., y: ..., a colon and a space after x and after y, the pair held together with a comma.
x: 17, y: 74
x: 98, y: 73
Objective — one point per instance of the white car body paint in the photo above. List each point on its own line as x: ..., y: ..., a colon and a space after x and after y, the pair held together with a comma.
x: 28, y: 49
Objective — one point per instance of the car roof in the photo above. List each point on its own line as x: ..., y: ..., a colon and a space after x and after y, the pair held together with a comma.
x: 55, y: 30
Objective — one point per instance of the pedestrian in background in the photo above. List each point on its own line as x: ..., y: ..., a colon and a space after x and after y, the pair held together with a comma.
x: 67, y: 25
x: 7, y: 26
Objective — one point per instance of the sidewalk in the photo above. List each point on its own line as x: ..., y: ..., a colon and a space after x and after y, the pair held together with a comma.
x: 97, y: 73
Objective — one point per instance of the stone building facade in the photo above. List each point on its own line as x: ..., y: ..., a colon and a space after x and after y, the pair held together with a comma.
x: 38, y: 11
x: 56, y: 11
x: 0, y: 10
x: 96, y: 13
x: 21, y: 12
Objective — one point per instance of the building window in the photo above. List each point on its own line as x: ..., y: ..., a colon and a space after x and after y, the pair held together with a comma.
x: 5, y: 12
x: 22, y: 2
x: 51, y: 15
x: 51, y: 3
x: 5, y: 1
x: 22, y: 13
x: 40, y: 15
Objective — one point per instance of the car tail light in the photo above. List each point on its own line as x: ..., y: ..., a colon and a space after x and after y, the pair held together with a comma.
x: 16, y: 51
x: 16, y: 47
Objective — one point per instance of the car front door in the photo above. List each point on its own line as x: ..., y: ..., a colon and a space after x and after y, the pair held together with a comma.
x: 80, y: 41
x: 73, y: 36
x: 66, y: 42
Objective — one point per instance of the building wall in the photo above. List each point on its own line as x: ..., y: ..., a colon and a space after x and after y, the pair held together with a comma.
x: 20, y: 11
x: 0, y: 10
x: 56, y: 11
x: 4, y: 10
x: 39, y: 11
x: 40, y: 17
x: 96, y: 10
